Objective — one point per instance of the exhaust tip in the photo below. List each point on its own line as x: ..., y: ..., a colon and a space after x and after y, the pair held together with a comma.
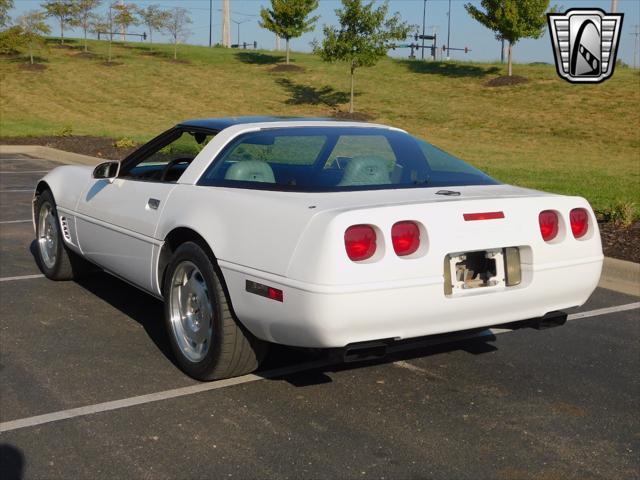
x: 364, y: 351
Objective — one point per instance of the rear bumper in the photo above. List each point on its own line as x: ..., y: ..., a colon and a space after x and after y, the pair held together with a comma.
x: 334, y: 316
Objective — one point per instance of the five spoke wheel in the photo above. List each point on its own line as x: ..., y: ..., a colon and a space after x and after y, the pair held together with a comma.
x: 191, y: 311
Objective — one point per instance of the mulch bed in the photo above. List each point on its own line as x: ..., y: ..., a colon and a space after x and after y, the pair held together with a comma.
x: 111, y: 64
x: 86, y: 145
x: 84, y: 54
x: 617, y: 242
x: 286, y: 68
x: 355, y: 116
x: 505, y: 81
x: 36, y: 67
x: 620, y: 242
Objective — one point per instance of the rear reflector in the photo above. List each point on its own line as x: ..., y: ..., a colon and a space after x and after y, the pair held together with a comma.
x: 406, y: 238
x: 264, y: 291
x: 579, y: 219
x: 483, y: 216
x: 548, y: 220
x: 360, y: 242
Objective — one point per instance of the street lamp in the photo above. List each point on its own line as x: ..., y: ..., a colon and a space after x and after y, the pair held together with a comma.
x: 239, y: 22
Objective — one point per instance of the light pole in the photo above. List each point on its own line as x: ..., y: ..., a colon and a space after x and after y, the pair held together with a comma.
x: 449, y: 31
x: 210, y: 21
x: 239, y: 22
x: 636, y: 34
x: 424, y: 19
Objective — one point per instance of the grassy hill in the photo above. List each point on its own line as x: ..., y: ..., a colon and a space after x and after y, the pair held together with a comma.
x: 545, y: 134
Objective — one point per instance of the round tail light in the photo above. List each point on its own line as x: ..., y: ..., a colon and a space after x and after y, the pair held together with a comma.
x: 579, y: 219
x: 360, y: 242
x: 406, y: 238
x: 548, y: 220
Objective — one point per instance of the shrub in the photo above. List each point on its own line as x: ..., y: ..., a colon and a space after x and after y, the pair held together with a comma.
x: 125, y: 142
x: 622, y: 214
x: 65, y: 131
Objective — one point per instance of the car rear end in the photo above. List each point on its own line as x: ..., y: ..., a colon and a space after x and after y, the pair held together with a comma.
x: 413, y: 268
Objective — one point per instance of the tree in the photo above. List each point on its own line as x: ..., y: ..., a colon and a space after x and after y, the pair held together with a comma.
x: 176, y: 27
x: 103, y: 24
x: 33, y: 26
x: 363, y: 36
x: 154, y: 18
x: 512, y: 20
x: 84, y: 16
x: 289, y: 18
x: 63, y: 11
x: 5, y: 19
x: 125, y: 15
x: 11, y: 40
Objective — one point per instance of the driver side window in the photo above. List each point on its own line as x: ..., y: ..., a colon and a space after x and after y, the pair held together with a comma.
x: 168, y: 160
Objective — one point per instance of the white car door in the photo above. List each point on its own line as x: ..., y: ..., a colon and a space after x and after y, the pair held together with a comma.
x: 116, y: 219
x: 116, y: 223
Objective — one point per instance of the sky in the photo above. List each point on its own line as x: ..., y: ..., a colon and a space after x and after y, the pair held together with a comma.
x: 465, y: 32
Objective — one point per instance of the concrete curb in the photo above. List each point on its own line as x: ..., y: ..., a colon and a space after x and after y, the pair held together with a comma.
x: 621, y: 276
x: 618, y: 275
x: 49, y: 153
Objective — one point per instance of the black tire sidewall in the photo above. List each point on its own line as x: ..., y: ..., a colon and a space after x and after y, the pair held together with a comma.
x: 52, y: 272
x: 194, y: 253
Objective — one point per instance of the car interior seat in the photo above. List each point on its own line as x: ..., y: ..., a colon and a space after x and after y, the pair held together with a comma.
x: 251, y: 171
x: 366, y: 170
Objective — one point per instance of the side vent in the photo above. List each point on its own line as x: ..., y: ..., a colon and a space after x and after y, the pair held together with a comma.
x: 65, y: 229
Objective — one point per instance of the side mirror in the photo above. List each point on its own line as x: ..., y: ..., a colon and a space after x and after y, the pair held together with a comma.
x: 107, y: 170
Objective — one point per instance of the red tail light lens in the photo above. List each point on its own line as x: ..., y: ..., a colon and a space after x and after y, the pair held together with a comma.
x: 360, y: 242
x: 405, y: 237
x: 548, y: 220
x: 579, y: 219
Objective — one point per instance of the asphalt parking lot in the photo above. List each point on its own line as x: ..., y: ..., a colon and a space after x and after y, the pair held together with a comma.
x: 88, y: 390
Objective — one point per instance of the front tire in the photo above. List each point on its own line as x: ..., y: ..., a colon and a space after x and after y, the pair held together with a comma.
x: 52, y: 256
x: 206, y: 339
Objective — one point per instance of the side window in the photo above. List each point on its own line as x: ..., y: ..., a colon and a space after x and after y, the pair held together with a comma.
x: 168, y: 161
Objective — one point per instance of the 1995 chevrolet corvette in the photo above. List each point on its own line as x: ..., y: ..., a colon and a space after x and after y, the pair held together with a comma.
x: 314, y: 233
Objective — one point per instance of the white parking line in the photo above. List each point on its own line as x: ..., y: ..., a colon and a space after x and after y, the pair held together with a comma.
x: 604, y: 311
x: 12, y: 172
x: 17, y: 191
x: 16, y: 221
x: 22, y: 277
x: 205, y: 387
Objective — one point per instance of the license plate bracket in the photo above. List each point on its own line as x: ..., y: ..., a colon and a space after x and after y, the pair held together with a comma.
x: 481, y: 269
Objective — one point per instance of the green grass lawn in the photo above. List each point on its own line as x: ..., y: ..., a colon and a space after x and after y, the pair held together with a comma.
x: 546, y: 134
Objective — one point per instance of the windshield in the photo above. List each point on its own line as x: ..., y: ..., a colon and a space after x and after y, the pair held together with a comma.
x: 337, y: 159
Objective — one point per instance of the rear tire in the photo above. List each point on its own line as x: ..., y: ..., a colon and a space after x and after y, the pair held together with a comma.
x: 52, y: 256
x: 207, y: 341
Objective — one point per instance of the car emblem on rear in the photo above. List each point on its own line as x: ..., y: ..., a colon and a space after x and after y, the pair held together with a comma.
x: 585, y: 43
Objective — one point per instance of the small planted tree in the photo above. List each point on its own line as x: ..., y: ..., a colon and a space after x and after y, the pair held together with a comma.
x: 5, y: 19
x: 33, y: 27
x: 103, y: 24
x: 512, y: 20
x: 176, y: 27
x: 154, y: 18
x: 289, y: 19
x: 124, y: 16
x: 84, y: 16
x: 362, y: 38
x: 61, y: 10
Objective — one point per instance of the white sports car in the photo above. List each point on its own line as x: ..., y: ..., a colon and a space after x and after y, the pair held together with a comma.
x: 314, y: 233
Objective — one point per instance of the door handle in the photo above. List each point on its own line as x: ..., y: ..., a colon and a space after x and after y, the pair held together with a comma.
x: 153, y: 203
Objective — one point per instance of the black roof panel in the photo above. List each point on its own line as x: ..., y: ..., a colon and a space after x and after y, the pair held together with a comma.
x: 225, y: 122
